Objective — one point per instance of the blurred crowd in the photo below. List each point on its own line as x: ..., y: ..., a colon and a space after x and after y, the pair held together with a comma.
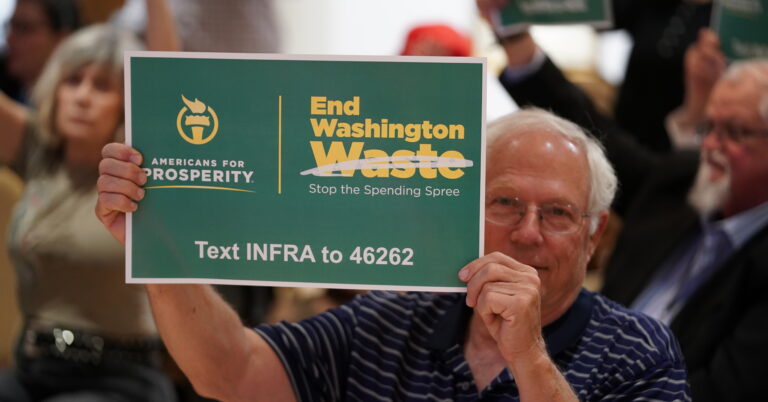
x: 686, y: 132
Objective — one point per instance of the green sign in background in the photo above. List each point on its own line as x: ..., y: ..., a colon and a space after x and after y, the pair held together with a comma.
x: 263, y: 108
x: 517, y: 14
x: 742, y: 27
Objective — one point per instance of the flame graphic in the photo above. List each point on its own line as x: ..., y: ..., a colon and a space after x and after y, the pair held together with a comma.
x: 196, y: 117
x: 195, y: 107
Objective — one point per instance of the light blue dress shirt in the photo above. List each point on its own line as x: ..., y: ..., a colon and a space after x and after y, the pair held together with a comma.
x: 695, y: 261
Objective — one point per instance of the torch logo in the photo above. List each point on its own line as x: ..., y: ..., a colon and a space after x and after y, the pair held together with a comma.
x: 197, y: 119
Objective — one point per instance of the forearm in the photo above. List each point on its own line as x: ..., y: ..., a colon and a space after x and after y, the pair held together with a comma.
x: 161, y: 28
x: 548, y: 88
x: 13, y: 118
x: 205, y: 337
x: 538, y: 379
x: 519, y: 49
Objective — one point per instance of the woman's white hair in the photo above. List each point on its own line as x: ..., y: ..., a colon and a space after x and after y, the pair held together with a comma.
x: 99, y: 44
x: 602, y: 178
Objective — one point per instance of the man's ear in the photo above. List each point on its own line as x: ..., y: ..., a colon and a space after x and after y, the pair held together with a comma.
x: 594, y: 238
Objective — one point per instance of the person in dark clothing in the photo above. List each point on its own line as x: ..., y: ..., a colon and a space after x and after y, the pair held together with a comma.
x: 653, y: 86
x: 661, y: 31
x: 34, y: 31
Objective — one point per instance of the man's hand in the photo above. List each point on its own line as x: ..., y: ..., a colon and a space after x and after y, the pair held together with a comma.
x: 506, y: 294
x: 119, y: 186
x: 704, y: 64
x: 487, y: 7
x: 521, y: 48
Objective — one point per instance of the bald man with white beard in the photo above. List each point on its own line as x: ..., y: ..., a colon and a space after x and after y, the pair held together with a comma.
x: 696, y: 257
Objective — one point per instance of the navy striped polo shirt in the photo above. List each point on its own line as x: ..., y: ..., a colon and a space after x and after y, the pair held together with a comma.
x: 387, y: 346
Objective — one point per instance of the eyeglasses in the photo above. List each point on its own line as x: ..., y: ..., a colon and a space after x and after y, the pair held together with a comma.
x: 553, y: 217
x: 729, y: 132
x: 23, y: 27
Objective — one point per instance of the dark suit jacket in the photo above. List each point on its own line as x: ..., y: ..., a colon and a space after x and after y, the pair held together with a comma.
x: 723, y: 327
x: 661, y: 31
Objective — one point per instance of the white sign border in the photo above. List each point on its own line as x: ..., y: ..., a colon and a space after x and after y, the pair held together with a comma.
x: 127, y: 56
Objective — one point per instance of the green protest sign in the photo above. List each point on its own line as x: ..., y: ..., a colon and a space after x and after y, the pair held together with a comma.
x: 742, y: 26
x: 517, y: 15
x: 345, y: 172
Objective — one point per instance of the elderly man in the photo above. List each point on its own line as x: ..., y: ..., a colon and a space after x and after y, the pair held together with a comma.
x: 525, y: 330
x: 694, y: 247
x: 706, y: 273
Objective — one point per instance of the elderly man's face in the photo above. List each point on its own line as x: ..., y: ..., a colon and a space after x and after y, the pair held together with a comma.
x: 542, y: 168
x: 735, y: 152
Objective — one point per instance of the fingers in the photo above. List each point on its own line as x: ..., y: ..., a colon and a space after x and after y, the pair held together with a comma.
x: 116, y: 195
x: 124, y: 170
x: 513, y: 318
x: 110, y: 203
x: 704, y: 65
x: 121, y: 152
x: 119, y: 186
x: 506, y: 295
x: 708, y: 37
x: 112, y: 184
x: 493, y: 274
x: 496, y: 268
x: 705, y: 57
x: 122, y: 161
x: 507, y: 302
x: 110, y: 209
x: 469, y: 270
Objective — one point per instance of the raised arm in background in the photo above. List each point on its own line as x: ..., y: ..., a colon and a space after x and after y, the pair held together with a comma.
x: 546, y: 87
x: 13, y: 119
x: 161, y: 32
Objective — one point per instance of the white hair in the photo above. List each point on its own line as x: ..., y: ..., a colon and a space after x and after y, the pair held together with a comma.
x: 99, y: 44
x: 602, y: 178
x: 757, y: 71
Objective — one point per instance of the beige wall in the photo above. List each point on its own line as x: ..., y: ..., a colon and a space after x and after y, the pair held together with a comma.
x: 10, y: 188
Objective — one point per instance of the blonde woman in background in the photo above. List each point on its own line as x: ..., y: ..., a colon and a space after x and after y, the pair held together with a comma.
x: 87, y: 336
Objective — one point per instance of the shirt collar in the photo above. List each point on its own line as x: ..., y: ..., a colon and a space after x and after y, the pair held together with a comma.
x: 740, y: 227
x: 564, y: 332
